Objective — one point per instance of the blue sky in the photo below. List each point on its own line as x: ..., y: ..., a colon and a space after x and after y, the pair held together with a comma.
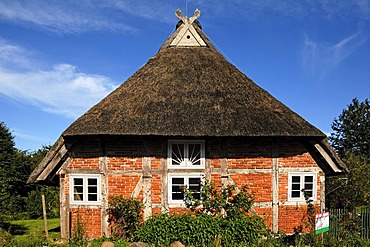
x: 58, y: 58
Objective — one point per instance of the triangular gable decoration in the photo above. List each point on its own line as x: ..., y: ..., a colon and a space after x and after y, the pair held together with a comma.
x: 187, y: 35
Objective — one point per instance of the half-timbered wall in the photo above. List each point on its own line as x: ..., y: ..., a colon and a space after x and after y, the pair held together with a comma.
x: 137, y: 166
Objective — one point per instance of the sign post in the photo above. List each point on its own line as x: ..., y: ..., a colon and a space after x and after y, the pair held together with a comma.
x: 322, y: 223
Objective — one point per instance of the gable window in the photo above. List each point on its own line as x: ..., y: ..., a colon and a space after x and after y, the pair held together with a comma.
x: 186, y: 154
x: 300, y: 183
x: 177, y: 183
x: 85, y: 189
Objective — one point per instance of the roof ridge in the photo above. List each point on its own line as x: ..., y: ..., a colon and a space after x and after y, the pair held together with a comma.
x: 188, y: 33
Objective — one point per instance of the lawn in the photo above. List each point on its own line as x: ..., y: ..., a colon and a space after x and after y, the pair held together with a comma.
x: 22, y: 229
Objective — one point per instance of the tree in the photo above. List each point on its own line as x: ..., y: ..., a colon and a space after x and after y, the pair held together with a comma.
x: 7, y: 160
x: 15, y: 167
x: 353, y: 189
x: 352, y: 129
x: 351, y: 140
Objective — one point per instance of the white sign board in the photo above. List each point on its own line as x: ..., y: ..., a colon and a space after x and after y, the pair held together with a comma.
x: 322, y: 223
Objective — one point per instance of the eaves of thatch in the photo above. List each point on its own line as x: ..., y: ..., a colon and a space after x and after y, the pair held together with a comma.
x: 193, y: 91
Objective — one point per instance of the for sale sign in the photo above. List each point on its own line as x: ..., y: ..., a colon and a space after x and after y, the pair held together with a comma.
x: 322, y: 223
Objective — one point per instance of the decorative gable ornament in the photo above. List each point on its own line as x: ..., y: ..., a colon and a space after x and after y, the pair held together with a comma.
x: 187, y: 35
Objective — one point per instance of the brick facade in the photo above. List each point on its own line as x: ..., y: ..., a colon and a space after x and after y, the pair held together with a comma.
x: 129, y: 165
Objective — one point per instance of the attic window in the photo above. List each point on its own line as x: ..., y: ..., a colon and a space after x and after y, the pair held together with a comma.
x: 186, y: 154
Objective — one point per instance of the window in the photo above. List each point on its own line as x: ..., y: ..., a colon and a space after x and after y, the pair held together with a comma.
x: 177, y: 183
x: 186, y: 154
x: 300, y: 183
x: 85, y: 189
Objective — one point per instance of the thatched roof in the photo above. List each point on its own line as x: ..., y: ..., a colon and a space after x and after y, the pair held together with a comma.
x: 190, y: 91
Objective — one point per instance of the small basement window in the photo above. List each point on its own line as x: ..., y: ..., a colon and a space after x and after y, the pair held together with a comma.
x: 176, y: 184
x: 300, y: 183
x: 186, y: 154
x: 85, y: 189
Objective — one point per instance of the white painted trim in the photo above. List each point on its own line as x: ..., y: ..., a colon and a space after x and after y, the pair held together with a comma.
x: 85, y: 187
x: 302, y: 175
x: 186, y: 177
x: 187, y: 164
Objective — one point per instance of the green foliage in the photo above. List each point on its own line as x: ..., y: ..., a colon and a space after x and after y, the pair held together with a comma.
x: 201, y: 230
x: 15, y: 167
x: 79, y: 232
x: 9, y: 169
x: 6, y: 239
x: 230, y: 202
x: 353, y: 189
x: 351, y: 139
x: 125, y: 215
x: 352, y: 129
x: 220, y: 217
x: 33, y: 205
x: 309, y: 220
x: 34, y: 239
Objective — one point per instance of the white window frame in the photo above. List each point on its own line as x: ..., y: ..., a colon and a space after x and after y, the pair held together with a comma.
x: 186, y: 164
x: 84, y: 178
x: 302, y: 176
x: 186, y: 183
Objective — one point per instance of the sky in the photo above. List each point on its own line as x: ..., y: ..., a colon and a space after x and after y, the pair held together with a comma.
x: 59, y: 58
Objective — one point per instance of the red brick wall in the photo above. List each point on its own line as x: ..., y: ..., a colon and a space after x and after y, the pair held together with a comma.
x: 252, y: 156
x: 89, y: 219
x: 122, y: 185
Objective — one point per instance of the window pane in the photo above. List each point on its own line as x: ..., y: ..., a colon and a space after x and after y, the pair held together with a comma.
x: 308, y: 186
x: 194, y: 154
x: 177, y: 196
x: 178, y: 181
x: 92, y: 190
x: 92, y: 181
x: 194, y: 184
x: 92, y: 197
x: 309, y: 193
x: 78, y: 197
x: 296, y: 179
x: 177, y: 188
x: 308, y: 179
x: 296, y: 187
x: 78, y: 181
x: 296, y: 194
x: 78, y: 189
x: 196, y: 195
x: 177, y: 154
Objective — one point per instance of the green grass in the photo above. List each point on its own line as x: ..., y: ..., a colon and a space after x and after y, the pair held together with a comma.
x: 22, y: 229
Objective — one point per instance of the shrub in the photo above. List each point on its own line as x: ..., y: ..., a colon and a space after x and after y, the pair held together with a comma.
x: 200, y: 230
x: 6, y: 239
x: 125, y: 215
x: 33, y: 204
x: 220, y: 216
x: 230, y: 201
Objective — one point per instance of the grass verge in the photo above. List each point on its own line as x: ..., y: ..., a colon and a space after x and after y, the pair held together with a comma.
x: 22, y: 229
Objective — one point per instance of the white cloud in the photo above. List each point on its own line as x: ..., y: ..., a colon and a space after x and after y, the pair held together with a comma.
x: 61, y: 89
x: 13, y: 55
x: 330, y: 9
x: 71, y: 16
x: 17, y: 133
x: 60, y: 16
x: 321, y: 57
